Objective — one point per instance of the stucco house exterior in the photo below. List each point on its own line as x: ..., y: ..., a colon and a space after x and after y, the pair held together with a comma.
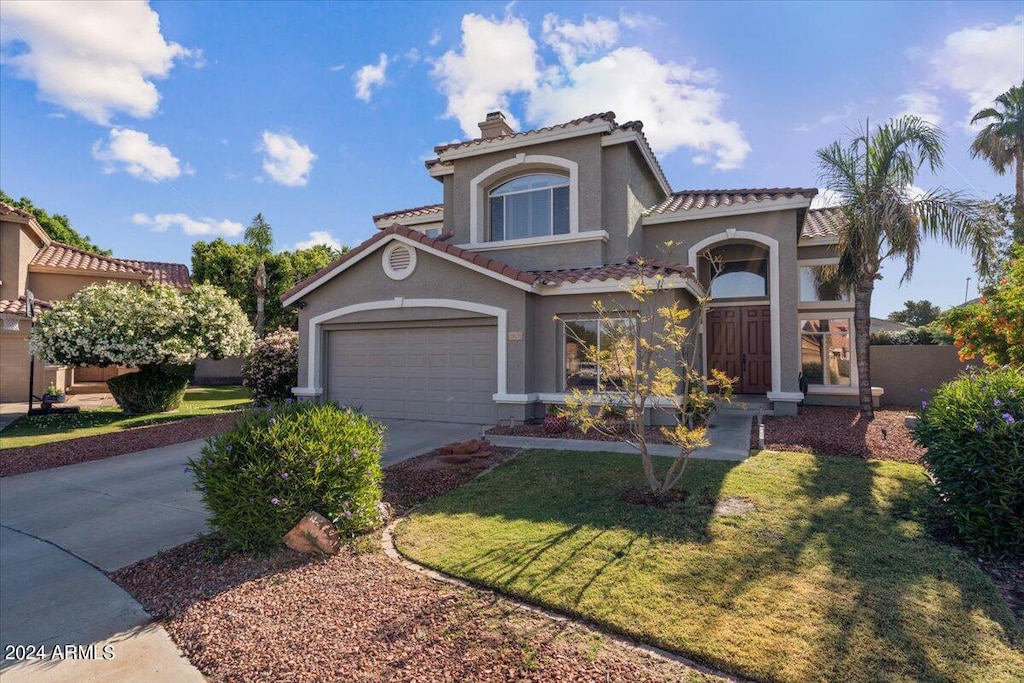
x: 448, y: 311
x: 31, y: 261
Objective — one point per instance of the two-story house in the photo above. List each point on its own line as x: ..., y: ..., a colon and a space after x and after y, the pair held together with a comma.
x: 459, y: 311
x: 30, y: 261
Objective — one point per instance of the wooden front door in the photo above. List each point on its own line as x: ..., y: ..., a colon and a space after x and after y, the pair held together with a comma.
x: 739, y: 343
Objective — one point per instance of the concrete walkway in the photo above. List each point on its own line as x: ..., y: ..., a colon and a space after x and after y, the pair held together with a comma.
x: 407, y: 439
x: 730, y: 440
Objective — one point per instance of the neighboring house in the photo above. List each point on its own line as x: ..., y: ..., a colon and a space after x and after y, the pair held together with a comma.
x: 885, y: 325
x: 31, y: 261
x: 447, y: 312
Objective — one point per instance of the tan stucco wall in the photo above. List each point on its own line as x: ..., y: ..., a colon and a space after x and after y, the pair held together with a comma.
x: 903, y: 371
x: 551, y: 257
x: 17, y: 247
x: 434, y: 278
x: 779, y: 225
x: 58, y: 286
x: 14, y: 369
x: 816, y: 251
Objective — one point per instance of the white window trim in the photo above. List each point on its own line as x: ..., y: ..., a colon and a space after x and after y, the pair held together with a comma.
x: 550, y: 189
x: 478, y: 192
x: 546, y: 240
x: 564, y: 336
x: 830, y: 313
x: 386, y: 261
x: 773, y: 300
x: 814, y: 305
x: 315, y: 339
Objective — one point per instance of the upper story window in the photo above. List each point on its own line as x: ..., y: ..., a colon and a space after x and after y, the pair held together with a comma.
x: 533, y: 205
x: 741, y: 279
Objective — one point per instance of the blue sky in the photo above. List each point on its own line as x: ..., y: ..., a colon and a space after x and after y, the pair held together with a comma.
x: 156, y: 125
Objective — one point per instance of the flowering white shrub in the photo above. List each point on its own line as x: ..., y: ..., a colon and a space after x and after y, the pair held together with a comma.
x: 272, y: 368
x: 121, y: 324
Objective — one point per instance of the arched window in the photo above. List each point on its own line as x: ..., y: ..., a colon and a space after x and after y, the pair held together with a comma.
x: 533, y: 205
x: 741, y: 279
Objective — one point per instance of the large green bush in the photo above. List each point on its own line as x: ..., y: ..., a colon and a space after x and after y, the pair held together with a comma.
x: 973, y: 429
x: 150, y: 390
x: 261, y: 477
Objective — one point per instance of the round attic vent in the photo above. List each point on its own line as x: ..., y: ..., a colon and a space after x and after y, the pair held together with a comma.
x: 399, y: 261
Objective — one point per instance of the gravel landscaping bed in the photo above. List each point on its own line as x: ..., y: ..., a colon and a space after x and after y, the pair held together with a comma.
x: 32, y: 458
x: 359, y: 616
x: 654, y: 434
x: 841, y: 431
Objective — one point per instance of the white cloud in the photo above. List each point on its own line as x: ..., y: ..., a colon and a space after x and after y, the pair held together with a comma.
x: 319, y: 237
x: 496, y: 59
x: 132, y: 152
x: 336, y: 67
x: 96, y: 59
x: 637, y: 21
x: 285, y: 160
x: 369, y: 77
x: 435, y: 38
x: 190, y: 226
x: 981, y: 63
x: 571, y: 41
x: 921, y: 104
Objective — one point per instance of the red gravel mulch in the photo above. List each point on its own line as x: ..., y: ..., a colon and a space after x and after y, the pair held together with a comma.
x: 359, y: 616
x: 841, y: 431
x: 654, y: 434
x: 70, y: 452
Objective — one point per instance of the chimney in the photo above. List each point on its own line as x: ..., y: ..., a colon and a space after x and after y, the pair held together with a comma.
x: 495, y: 126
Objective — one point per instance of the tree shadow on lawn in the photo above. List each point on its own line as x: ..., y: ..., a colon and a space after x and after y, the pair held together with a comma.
x: 833, y: 577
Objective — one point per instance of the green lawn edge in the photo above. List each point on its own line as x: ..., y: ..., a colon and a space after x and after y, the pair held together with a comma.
x: 38, y: 430
x: 833, y: 577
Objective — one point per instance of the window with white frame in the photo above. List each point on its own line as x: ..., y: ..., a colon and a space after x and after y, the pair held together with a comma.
x: 599, y: 354
x: 535, y: 205
x: 825, y: 351
x: 740, y: 279
x: 818, y: 283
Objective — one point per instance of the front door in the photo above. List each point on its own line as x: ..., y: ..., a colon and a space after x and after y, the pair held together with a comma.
x: 739, y: 342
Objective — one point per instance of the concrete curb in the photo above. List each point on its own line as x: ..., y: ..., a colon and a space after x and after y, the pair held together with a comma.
x: 392, y: 552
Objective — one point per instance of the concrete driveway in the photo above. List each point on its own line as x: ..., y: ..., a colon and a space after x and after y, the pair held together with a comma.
x: 60, y: 529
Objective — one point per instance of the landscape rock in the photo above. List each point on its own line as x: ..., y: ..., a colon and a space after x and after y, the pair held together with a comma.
x: 314, y: 534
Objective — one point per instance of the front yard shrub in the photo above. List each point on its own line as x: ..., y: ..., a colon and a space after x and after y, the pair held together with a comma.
x: 150, y: 390
x: 973, y: 429
x: 278, y: 463
x: 927, y: 335
x: 272, y: 367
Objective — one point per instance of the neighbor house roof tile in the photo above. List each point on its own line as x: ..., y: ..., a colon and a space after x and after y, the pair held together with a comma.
x: 17, y: 306
x: 8, y: 210
x: 57, y: 255
x: 607, y: 116
x: 614, y: 271
x: 174, y: 274
x: 689, y: 200
x: 439, y: 243
x: 409, y: 213
x: 822, y: 222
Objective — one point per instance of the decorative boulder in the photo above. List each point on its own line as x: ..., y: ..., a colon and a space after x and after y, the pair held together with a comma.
x: 314, y: 534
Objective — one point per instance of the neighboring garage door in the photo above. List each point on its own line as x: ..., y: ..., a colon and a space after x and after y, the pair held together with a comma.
x: 447, y: 374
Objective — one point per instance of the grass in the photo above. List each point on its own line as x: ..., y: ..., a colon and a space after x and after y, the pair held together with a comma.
x: 832, y: 577
x: 39, y: 429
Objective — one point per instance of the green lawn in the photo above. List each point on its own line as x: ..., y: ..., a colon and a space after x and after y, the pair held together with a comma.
x: 40, y: 429
x: 832, y: 577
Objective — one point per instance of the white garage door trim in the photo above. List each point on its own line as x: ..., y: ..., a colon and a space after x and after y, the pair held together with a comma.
x: 315, y: 366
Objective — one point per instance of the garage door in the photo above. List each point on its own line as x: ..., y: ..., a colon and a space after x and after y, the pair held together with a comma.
x: 447, y: 374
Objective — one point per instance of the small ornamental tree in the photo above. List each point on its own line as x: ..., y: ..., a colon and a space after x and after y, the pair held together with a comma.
x: 151, y: 328
x: 994, y: 327
x: 272, y: 367
x: 646, y: 360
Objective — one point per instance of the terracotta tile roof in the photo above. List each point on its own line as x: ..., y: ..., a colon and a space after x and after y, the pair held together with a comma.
x: 174, y: 274
x: 688, y: 200
x: 57, y: 255
x: 409, y: 213
x: 608, y: 116
x: 439, y: 243
x: 17, y: 306
x: 822, y: 222
x: 8, y: 210
x: 614, y: 271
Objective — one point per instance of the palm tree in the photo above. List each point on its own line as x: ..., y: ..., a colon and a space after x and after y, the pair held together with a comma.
x: 1001, y: 142
x: 259, y: 236
x: 886, y: 216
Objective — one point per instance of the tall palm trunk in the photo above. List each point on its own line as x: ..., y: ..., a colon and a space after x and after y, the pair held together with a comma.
x: 862, y: 291
x: 1018, y: 204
